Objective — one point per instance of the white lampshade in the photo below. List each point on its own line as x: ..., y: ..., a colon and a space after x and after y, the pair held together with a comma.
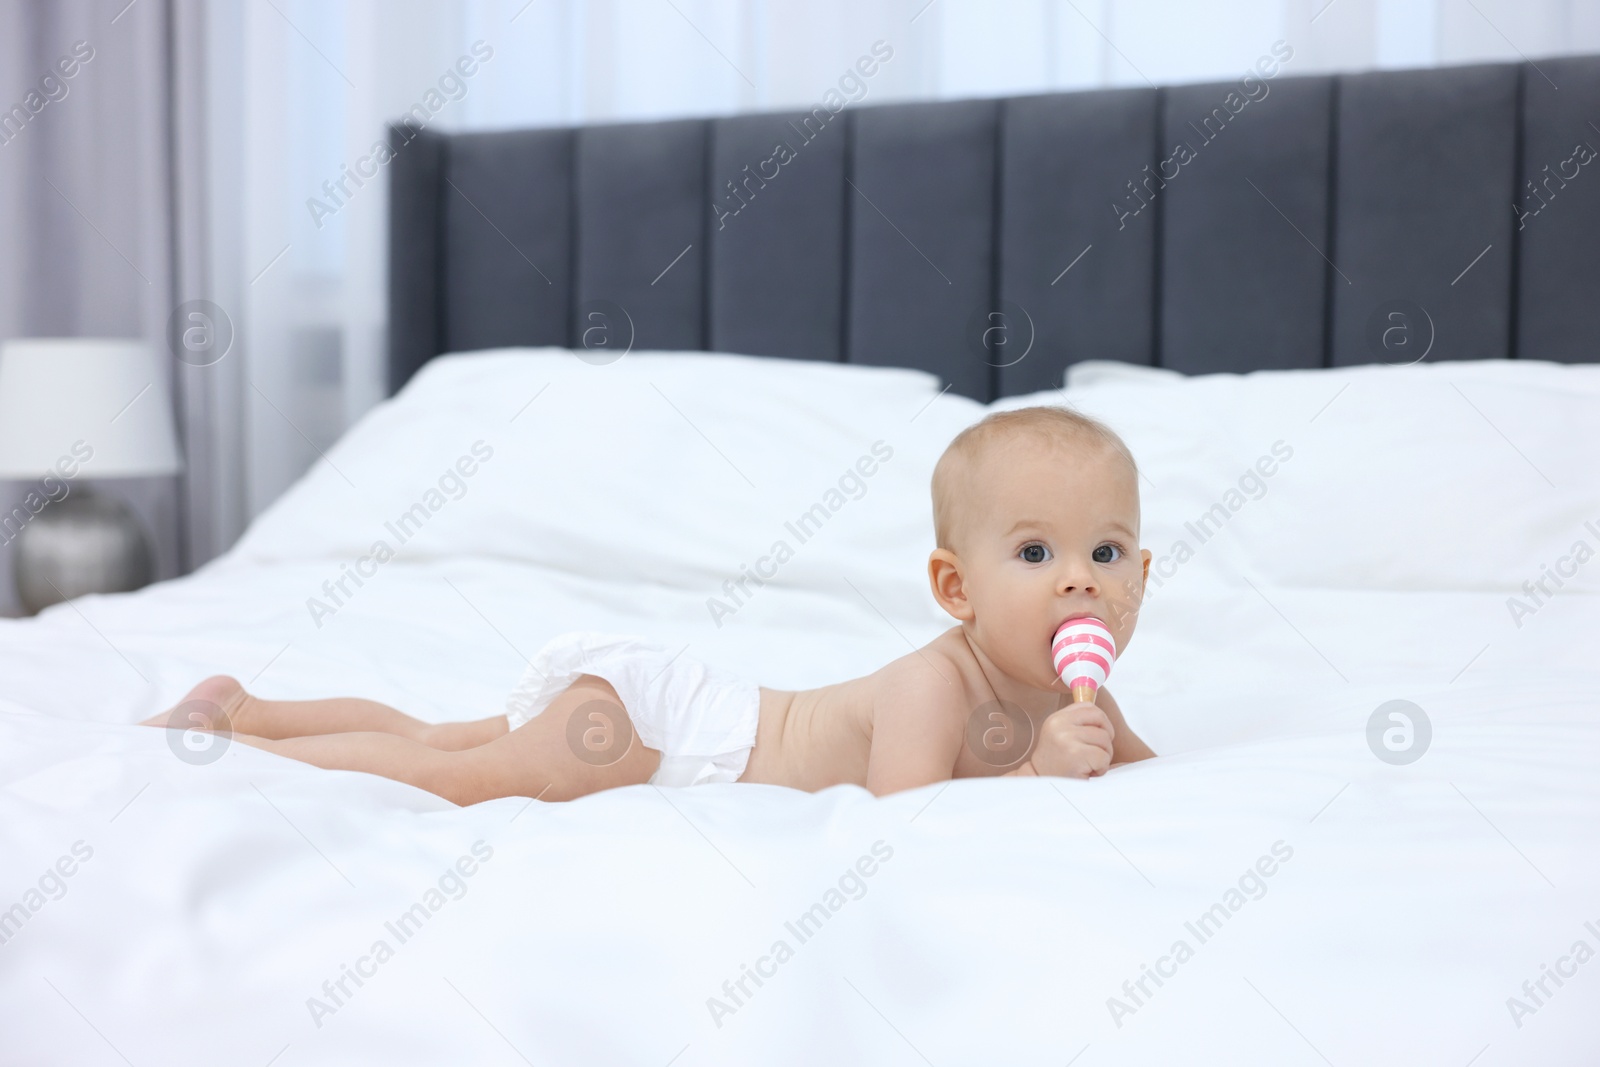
x: 111, y: 395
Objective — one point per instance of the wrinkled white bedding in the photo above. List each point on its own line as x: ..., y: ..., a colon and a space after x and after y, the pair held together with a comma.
x: 981, y: 921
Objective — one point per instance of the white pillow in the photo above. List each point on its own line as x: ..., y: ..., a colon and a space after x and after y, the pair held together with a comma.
x: 693, y: 470
x: 1586, y: 376
x: 1448, y: 476
x: 1101, y: 371
x: 684, y: 469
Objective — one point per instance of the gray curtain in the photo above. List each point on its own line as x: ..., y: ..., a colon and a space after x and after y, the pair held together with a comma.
x: 103, y: 229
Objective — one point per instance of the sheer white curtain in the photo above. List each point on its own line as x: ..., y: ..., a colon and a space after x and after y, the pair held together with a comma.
x: 301, y: 89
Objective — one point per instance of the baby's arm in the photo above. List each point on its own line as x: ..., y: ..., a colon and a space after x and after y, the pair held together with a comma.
x: 1074, y: 742
x: 1084, y: 741
x: 917, y: 728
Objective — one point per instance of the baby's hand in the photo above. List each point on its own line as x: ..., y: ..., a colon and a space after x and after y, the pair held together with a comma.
x: 1074, y: 742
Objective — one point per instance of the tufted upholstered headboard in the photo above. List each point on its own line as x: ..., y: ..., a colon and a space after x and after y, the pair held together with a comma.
x: 1270, y: 222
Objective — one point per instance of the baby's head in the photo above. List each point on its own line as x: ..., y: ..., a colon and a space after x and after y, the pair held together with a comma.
x: 1036, y: 518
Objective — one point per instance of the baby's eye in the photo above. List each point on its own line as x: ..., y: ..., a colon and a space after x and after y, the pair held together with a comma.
x: 1113, y: 553
x: 1034, y: 552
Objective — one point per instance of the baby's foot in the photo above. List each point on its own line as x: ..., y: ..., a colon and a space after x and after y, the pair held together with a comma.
x: 216, y: 700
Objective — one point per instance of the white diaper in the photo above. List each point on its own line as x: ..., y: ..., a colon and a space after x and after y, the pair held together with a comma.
x: 700, y: 718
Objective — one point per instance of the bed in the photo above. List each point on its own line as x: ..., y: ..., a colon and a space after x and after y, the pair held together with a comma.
x: 1300, y: 877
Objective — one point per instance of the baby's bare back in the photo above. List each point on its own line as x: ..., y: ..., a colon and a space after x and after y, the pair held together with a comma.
x: 813, y: 738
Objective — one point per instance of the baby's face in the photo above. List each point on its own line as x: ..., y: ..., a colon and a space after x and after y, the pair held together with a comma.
x: 1052, y: 532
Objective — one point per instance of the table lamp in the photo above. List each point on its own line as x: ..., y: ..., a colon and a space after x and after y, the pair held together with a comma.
x: 75, y: 408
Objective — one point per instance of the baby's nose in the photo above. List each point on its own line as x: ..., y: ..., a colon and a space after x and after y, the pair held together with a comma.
x: 1075, y: 579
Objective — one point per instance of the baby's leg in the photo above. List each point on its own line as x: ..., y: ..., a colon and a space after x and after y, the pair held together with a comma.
x: 534, y: 760
x: 281, y: 719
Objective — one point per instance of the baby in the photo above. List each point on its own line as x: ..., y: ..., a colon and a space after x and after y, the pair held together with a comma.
x: 1036, y: 519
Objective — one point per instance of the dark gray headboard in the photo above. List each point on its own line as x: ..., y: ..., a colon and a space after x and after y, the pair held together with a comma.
x: 1303, y: 222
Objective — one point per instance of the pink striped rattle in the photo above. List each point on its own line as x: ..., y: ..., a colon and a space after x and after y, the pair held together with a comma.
x: 1082, y: 652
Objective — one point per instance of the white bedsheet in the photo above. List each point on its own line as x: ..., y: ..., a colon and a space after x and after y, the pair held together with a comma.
x: 1000, y: 917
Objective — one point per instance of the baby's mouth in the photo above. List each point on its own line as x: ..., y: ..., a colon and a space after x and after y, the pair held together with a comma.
x: 1077, y: 646
x: 1074, y: 617
x: 1055, y: 636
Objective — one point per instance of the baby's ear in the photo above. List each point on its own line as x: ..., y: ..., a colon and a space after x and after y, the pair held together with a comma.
x: 944, y: 576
